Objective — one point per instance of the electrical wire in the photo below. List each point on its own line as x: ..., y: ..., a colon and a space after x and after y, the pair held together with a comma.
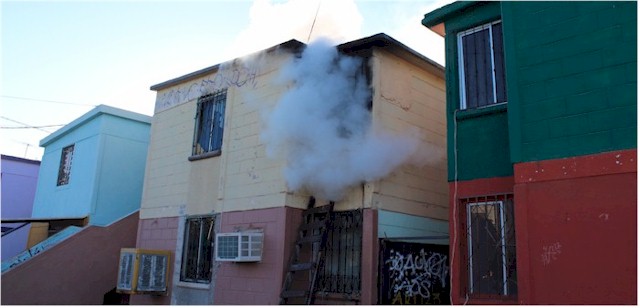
x: 27, y: 127
x: 45, y: 100
x: 314, y: 21
x: 25, y: 124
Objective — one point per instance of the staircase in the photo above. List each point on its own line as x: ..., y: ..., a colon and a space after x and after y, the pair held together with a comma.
x: 308, y: 255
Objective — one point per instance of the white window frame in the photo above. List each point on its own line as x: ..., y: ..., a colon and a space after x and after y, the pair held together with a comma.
x: 463, y: 94
x: 500, y: 206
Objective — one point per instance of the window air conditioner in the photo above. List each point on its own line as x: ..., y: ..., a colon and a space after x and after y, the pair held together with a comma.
x: 239, y: 246
x: 143, y: 271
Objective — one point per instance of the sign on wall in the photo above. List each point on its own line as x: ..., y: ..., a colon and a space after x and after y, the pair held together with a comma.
x: 413, y: 273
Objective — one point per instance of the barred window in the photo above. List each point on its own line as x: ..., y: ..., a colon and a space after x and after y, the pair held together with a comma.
x: 343, y: 255
x: 64, y: 170
x: 209, y: 126
x: 481, y: 66
x: 197, y: 254
x: 491, y: 246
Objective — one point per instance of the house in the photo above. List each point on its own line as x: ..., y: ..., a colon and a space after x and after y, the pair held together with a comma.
x: 19, y: 178
x: 85, y: 209
x: 224, y: 159
x: 542, y: 152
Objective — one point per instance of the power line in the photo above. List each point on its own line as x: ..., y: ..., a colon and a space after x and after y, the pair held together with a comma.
x: 23, y: 127
x: 45, y: 100
x: 25, y: 124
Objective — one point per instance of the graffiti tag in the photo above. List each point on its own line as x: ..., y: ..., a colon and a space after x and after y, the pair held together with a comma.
x: 414, y: 275
x: 550, y: 252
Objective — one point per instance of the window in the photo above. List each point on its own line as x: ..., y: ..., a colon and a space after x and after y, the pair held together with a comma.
x: 481, y: 66
x: 491, y: 253
x: 341, y: 272
x: 209, y: 123
x: 64, y: 170
x: 197, y: 254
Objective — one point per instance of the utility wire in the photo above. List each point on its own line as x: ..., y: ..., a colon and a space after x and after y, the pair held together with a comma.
x: 44, y: 100
x: 36, y: 127
x: 25, y: 124
x: 314, y: 21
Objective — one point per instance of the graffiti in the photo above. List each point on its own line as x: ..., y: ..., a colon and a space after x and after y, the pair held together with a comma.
x: 550, y: 252
x: 416, y: 275
x: 226, y: 77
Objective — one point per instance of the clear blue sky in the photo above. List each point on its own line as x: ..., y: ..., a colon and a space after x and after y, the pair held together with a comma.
x: 59, y: 59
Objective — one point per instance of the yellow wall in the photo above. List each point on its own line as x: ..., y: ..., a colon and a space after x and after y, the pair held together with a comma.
x: 409, y: 98
x: 243, y: 178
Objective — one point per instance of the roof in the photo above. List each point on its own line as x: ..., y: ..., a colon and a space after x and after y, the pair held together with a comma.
x: 290, y: 44
x: 387, y: 42
x: 22, y: 160
x: 379, y: 40
x: 434, y: 19
x: 93, y: 113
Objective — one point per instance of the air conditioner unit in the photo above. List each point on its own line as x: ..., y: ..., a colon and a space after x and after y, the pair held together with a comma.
x: 239, y: 246
x: 143, y: 271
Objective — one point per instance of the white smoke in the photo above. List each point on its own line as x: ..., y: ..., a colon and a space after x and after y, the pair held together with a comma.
x: 323, y: 128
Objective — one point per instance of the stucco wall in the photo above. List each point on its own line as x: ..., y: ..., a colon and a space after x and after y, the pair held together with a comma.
x: 77, y: 271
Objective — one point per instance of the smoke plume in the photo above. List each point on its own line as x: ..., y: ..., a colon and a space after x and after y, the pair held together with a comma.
x: 322, y: 126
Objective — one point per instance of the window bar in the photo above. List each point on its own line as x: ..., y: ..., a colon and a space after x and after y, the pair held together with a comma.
x: 504, y: 250
x: 199, y: 259
x: 470, y: 248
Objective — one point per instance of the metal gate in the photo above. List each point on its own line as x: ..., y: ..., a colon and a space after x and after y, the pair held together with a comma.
x: 413, y: 273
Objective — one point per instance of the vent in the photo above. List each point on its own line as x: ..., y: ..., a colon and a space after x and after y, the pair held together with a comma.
x: 239, y: 246
x: 143, y: 271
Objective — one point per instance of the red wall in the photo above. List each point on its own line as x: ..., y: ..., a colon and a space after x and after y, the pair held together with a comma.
x: 77, y: 271
x: 577, y: 230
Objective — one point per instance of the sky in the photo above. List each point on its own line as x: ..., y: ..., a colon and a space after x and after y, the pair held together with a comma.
x: 61, y: 59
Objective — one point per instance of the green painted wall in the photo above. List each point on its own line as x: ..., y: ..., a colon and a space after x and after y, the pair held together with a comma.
x: 481, y: 136
x: 571, y: 77
x: 571, y: 82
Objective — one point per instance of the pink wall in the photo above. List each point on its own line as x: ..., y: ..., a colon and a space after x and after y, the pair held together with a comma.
x: 258, y: 283
x: 79, y: 270
x: 161, y: 234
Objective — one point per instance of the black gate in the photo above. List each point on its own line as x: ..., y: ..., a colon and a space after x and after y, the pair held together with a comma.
x: 413, y: 273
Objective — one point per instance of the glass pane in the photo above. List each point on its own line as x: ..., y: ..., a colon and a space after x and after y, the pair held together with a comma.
x: 477, y: 69
x: 486, y: 248
x: 190, y: 254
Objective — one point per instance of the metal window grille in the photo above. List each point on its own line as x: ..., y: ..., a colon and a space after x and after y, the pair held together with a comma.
x: 64, y: 170
x: 197, y: 254
x: 343, y: 255
x: 491, y: 245
x: 209, y: 126
x: 481, y: 66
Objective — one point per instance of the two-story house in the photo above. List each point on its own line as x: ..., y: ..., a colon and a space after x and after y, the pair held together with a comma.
x: 85, y: 209
x: 213, y: 167
x: 541, y: 131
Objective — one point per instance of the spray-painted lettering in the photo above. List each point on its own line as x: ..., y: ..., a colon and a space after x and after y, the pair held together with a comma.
x: 226, y: 77
x: 414, y: 276
x: 550, y: 252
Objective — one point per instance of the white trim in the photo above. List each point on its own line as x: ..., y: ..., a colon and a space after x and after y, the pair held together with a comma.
x: 504, y: 250
x: 462, y: 81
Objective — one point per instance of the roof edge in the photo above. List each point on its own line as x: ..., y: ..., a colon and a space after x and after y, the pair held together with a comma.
x: 93, y: 113
x: 438, y: 16
x: 292, y: 44
x: 383, y: 40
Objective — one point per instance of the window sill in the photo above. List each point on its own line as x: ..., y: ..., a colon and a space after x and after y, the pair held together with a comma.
x: 193, y: 285
x: 479, y: 112
x: 205, y: 155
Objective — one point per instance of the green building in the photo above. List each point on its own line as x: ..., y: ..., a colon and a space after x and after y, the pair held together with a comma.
x: 542, y: 138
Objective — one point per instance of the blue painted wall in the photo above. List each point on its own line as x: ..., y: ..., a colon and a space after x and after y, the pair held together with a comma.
x: 408, y: 228
x: 107, y: 168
